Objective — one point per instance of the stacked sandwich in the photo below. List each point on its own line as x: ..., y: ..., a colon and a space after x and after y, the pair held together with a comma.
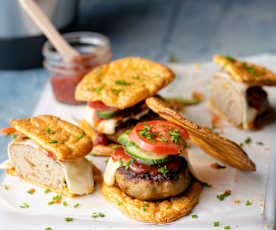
x: 237, y: 93
x: 49, y: 152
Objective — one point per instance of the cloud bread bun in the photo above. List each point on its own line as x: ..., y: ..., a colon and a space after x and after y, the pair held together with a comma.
x: 124, y: 82
x: 219, y: 147
x: 65, y: 140
x: 158, y: 212
x: 251, y: 74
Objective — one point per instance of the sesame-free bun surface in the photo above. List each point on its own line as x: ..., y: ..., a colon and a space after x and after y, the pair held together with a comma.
x: 156, y: 212
x: 124, y: 82
x: 65, y: 140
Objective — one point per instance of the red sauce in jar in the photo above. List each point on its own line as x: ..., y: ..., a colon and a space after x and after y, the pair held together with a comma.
x: 67, y: 76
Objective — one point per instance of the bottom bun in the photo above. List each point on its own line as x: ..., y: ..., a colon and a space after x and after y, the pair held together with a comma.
x: 156, y: 212
x: 63, y: 191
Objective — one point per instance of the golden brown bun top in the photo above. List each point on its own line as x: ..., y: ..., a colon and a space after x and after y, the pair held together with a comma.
x: 246, y: 72
x: 124, y: 82
x: 221, y: 148
x: 65, y: 140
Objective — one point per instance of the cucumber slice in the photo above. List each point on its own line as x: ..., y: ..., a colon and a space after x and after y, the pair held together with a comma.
x: 106, y: 114
x: 135, y: 151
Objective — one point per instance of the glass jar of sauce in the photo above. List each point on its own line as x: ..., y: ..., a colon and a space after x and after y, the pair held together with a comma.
x: 94, y: 50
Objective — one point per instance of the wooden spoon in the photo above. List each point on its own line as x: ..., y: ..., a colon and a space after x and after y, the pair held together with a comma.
x: 62, y: 46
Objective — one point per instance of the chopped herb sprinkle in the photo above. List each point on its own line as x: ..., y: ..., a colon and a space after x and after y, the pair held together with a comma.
x: 146, y: 133
x: 47, y: 190
x: 129, y: 162
x: 216, y: 224
x: 175, y: 136
x: 259, y: 143
x: 227, y: 227
x: 48, y: 228
x: 51, y: 202
x: 57, y: 197
x: 11, y: 135
x: 81, y: 136
x: 120, y: 162
x: 229, y: 58
x: 96, y: 215
x: 31, y: 191
x: 117, y: 91
x: 144, y: 206
x: 69, y: 219
x: 106, y: 161
x: 65, y: 203
x: 119, y: 202
x: 6, y: 187
x: 76, y: 205
x: 248, y: 203
x: 53, y: 142
x: 163, y: 170
x: 122, y: 82
x: 194, y: 216
x: 136, y: 77
x: 49, y: 131
x: 24, y: 205
x: 206, y: 184
x: 224, y: 195
x: 241, y: 144
x: 248, y: 140
x: 168, y: 207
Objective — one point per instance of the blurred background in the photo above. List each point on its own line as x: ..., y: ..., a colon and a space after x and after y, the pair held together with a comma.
x: 162, y: 30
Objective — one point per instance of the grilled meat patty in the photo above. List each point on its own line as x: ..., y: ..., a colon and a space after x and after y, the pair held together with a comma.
x: 154, y: 186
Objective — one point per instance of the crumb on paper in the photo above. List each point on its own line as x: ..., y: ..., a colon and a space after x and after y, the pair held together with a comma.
x: 217, y: 166
x: 266, y: 226
x: 237, y: 201
x: 266, y: 148
x: 198, y: 96
x: 261, y: 203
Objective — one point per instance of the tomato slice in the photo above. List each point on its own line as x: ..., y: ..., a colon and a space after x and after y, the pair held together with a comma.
x: 99, y: 105
x: 7, y: 130
x: 161, y: 137
x: 120, y: 153
x: 101, y: 139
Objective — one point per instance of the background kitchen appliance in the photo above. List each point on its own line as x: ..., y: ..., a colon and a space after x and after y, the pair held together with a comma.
x: 21, y: 40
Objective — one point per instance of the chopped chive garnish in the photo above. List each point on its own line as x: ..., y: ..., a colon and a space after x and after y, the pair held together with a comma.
x: 167, y: 208
x: 144, y: 207
x: 216, y: 224
x: 122, y: 82
x: 248, y: 203
x: 69, y: 219
x: 248, y: 140
x: 11, y: 135
x: 95, y: 215
x: 194, y: 216
x: 117, y: 91
x: 57, y: 197
x: 227, y: 227
x: 229, y: 58
x: 206, y: 184
x: 120, y: 162
x: 76, y: 205
x: 24, y: 205
x: 53, y: 142
x: 65, y: 203
x: 224, y: 195
x: 163, y: 170
x: 47, y: 190
x: 129, y: 162
x: 119, y: 202
x: 31, y: 191
x: 259, y: 143
x: 48, y: 228
x: 6, y: 187
x: 49, y: 131
x: 51, y: 202
x: 81, y: 136
x: 106, y: 161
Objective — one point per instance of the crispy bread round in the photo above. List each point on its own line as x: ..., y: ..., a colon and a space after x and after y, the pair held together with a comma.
x: 63, y: 191
x: 246, y: 72
x: 65, y: 140
x: 219, y: 147
x: 124, y: 82
x: 159, y: 212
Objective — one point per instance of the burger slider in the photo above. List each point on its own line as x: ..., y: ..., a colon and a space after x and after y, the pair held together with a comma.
x: 149, y: 176
x: 115, y: 95
x: 50, y: 153
x: 237, y: 93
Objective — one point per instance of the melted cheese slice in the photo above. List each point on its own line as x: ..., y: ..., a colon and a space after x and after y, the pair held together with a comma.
x: 110, y: 171
x: 108, y: 126
x: 78, y: 174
